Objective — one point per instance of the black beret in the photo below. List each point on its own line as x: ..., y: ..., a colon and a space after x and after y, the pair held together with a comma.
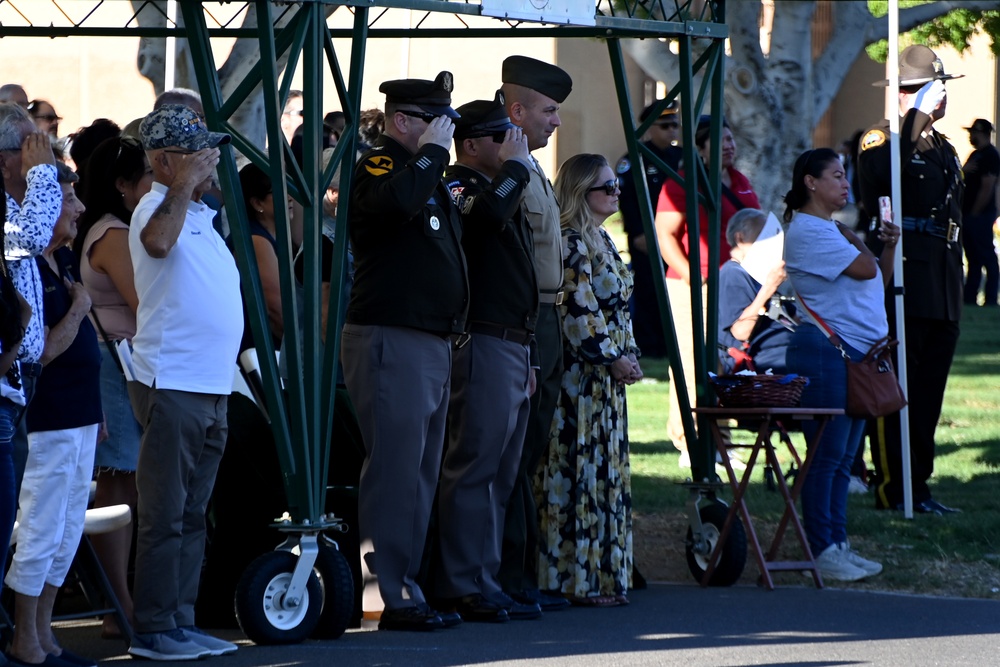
x: 549, y: 80
x: 670, y: 110
x: 431, y: 96
x: 481, y: 118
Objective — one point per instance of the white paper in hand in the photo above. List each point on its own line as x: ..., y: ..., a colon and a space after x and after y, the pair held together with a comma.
x: 766, y: 252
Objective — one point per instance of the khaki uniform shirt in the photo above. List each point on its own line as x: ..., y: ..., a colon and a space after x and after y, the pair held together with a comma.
x: 542, y: 210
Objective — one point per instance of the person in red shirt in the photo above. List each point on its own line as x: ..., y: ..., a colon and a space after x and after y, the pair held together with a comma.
x: 672, y: 236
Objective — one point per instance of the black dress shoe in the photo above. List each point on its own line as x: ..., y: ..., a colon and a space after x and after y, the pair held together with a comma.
x: 477, y: 609
x: 941, y: 509
x: 545, y: 601
x: 517, y: 611
x: 929, y: 506
x: 410, y: 618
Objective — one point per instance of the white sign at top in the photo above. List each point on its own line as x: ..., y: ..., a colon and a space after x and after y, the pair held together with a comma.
x: 566, y: 12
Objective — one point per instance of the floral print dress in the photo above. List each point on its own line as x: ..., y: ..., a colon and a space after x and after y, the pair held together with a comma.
x: 585, y: 501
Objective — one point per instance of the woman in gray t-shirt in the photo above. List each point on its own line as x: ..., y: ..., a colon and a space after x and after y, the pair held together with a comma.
x: 838, y: 278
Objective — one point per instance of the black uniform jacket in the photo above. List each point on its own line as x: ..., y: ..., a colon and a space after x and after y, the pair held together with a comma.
x: 628, y: 201
x: 498, y: 245
x: 931, y: 186
x: 406, y: 233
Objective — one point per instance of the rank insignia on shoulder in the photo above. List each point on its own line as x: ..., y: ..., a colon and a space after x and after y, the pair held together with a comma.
x: 872, y: 139
x: 378, y: 165
x: 623, y: 165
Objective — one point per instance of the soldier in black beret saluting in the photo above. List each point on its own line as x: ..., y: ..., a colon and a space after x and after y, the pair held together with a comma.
x: 932, y: 187
x: 408, y: 303
x: 533, y: 91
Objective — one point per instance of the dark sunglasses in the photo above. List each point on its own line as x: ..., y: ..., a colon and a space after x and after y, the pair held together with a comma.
x: 51, y: 117
x: 131, y: 142
x: 608, y: 187
x: 179, y: 151
x: 422, y: 115
x: 497, y: 137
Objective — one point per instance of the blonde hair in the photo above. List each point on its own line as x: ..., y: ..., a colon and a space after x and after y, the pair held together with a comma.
x: 576, y: 177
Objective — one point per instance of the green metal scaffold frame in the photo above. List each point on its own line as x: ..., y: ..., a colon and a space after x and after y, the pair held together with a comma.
x: 301, y: 414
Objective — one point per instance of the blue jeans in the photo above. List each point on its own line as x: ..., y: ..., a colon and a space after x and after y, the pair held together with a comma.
x: 824, y: 493
x: 9, y: 414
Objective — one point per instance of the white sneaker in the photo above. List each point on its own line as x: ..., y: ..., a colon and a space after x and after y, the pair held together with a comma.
x: 870, y: 567
x: 833, y: 564
x: 168, y: 645
x: 856, y: 485
x: 214, y: 645
x: 684, y: 461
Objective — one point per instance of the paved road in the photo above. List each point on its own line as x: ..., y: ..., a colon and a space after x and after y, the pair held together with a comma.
x: 664, y: 625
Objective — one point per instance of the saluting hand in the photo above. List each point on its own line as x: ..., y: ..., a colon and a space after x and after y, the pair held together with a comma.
x: 439, y: 131
x: 514, y: 146
x: 36, y: 150
x: 197, y: 167
x: 929, y: 97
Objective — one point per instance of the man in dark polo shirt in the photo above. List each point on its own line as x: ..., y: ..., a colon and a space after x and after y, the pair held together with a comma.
x: 409, y: 299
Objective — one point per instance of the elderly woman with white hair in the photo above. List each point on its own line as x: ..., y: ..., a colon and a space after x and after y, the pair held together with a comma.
x: 744, y: 324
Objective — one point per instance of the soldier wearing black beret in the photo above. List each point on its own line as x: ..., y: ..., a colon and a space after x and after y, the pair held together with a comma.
x: 661, y: 140
x: 533, y: 91
x: 409, y: 299
x: 932, y: 188
x: 492, y: 376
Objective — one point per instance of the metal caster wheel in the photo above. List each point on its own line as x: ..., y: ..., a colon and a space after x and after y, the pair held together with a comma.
x: 262, y: 611
x: 734, y: 553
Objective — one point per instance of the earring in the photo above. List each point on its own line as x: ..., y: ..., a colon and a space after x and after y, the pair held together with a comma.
x: 260, y: 210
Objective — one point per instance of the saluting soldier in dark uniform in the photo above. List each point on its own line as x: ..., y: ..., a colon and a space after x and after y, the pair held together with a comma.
x: 931, y: 182
x: 492, y: 376
x: 409, y: 299
x: 662, y: 140
x: 533, y: 91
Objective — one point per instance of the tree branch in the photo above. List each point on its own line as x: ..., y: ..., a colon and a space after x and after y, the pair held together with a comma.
x: 911, y: 17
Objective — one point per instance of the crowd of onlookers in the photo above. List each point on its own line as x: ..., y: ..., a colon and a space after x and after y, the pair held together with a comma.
x: 487, y: 341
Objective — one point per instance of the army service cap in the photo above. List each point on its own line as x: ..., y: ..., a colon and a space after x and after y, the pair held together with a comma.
x: 917, y: 66
x: 178, y: 125
x: 430, y: 96
x: 547, y: 79
x: 668, y: 112
x: 482, y: 118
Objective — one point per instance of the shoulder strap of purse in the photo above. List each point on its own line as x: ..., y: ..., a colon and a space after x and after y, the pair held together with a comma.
x: 107, y: 341
x: 733, y: 199
x: 819, y: 322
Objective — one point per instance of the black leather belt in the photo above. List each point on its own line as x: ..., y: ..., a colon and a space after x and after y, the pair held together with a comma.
x: 931, y: 227
x: 519, y: 336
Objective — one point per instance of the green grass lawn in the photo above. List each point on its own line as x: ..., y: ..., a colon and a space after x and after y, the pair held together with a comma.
x: 957, y: 554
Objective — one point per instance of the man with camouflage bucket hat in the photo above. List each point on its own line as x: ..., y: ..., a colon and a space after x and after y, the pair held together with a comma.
x: 188, y: 330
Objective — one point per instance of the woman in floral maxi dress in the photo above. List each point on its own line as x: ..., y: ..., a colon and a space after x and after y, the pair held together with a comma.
x: 586, y: 502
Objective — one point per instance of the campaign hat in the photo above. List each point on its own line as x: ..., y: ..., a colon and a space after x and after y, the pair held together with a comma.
x: 178, y: 125
x: 547, y: 79
x: 981, y: 125
x: 918, y: 65
x: 481, y: 118
x: 430, y: 96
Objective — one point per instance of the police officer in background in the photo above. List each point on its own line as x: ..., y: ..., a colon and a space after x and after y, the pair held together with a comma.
x: 533, y: 91
x: 932, y: 186
x: 409, y: 299
x: 493, y: 374
x: 661, y: 139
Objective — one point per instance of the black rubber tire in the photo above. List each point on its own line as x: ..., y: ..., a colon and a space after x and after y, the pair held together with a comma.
x: 258, y: 601
x: 734, y: 553
x: 337, y: 582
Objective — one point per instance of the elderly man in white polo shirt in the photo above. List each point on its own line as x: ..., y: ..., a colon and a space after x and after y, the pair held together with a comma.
x: 189, y: 325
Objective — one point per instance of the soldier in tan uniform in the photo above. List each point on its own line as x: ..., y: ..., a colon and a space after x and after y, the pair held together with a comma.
x: 533, y: 91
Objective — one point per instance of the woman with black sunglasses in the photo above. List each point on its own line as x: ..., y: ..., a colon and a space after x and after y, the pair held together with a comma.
x: 118, y: 175
x: 585, y: 480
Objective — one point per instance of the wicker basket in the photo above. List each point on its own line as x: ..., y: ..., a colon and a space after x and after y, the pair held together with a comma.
x: 750, y: 391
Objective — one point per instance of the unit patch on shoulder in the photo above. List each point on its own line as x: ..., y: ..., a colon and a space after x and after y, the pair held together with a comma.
x: 378, y: 165
x: 872, y: 139
x: 623, y: 165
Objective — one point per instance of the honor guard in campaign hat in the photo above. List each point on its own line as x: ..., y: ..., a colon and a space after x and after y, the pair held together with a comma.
x: 434, y: 97
x: 547, y: 79
x: 483, y: 118
x: 668, y: 112
x: 918, y: 65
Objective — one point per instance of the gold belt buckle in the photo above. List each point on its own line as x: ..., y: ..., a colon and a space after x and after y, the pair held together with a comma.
x: 952, y: 232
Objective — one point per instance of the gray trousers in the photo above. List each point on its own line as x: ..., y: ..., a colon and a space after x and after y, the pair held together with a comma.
x: 183, y: 437
x: 399, y: 381
x: 519, y: 566
x: 487, y: 419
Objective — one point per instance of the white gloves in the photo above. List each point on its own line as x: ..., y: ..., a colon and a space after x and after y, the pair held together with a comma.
x: 929, y: 97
